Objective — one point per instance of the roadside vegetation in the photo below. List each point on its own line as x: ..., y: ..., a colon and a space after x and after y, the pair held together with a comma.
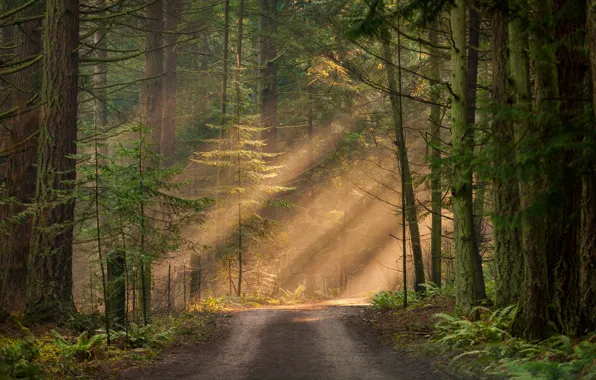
x: 79, y: 348
x: 480, y: 344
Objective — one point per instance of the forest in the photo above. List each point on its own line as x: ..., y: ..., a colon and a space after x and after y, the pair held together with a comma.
x: 162, y: 160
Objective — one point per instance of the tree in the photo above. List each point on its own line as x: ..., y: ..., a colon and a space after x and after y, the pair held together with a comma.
x: 49, y: 272
x: 170, y: 88
x: 152, y: 108
x: 152, y: 92
x: 471, y: 91
x: 402, y: 158
x: 508, y: 260
x: 267, y: 86
x: 531, y: 320
x: 21, y: 170
x: 462, y: 147
x: 588, y: 207
x: 435, y: 157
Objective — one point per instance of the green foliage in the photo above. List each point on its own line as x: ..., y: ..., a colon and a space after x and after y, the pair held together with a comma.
x: 140, y: 336
x: 390, y: 300
x: 432, y: 290
x: 294, y: 296
x: 17, y: 357
x: 85, y: 322
x: 130, y: 181
x: 196, y: 326
x: 488, y: 339
x: 81, y: 349
x: 491, y: 327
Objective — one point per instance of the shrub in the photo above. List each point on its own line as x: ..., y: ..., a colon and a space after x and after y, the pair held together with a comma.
x: 292, y: 296
x: 17, y: 356
x: 390, y: 300
x: 455, y: 331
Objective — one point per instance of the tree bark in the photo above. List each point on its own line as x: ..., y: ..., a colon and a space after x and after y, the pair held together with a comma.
x: 588, y: 207
x: 410, y: 199
x: 471, y: 84
x: 531, y: 320
x: 571, y: 67
x: 152, y: 107
x: 224, y: 81
x: 152, y: 91
x: 508, y: 261
x: 268, y: 75
x: 435, y: 157
x: 21, y: 172
x: 116, y: 263
x: 196, y: 277
x: 462, y: 149
x: 238, y: 136
x: 169, y: 113
x: 49, y: 276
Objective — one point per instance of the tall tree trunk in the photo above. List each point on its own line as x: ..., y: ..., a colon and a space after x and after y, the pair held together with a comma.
x: 116, y: 264
x: 238, y: 107
x: 268, y: 66
x: 21, y: 172
x: 152, y: 107
x: 169, y: 113
x: 563, y: 244
x: 462, y: 149
x: 471, y: 84
x: 508, y: 261
x: 588, y: 207
x: 531, y: 320
x: 224, y: 81
x: 196, y: 276
x: 402, y: 155
x: 435, y: 157
x: 152, y: 91
x: 100, y: 76
x: 49, y: 272
x: 310, y: 129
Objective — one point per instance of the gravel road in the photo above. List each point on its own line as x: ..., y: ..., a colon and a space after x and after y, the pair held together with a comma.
x: 304, y: 342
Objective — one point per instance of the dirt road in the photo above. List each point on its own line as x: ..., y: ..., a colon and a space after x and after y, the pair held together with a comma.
x: 306, y: 342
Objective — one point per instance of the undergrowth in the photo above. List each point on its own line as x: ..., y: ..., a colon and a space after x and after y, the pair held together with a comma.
x: 285, y: 297
x: 59, y: 355
x: 490, y: 343
x: 482, y: 344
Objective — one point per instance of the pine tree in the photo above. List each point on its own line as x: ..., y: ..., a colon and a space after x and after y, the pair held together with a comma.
x: 462, y: 146
x: 49, y: 272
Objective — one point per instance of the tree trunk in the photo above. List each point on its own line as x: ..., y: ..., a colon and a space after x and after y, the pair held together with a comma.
x: 21, y: 172
x: 410, y: 200
x: 508, y: 261
x: 571, y: 67
x: 195, y: 276
x: 588, y: 207
x: 238, y: 136
x: 531, y: 320
x: 435, y: 157
x: 471, y: 84
x: 152, y: 92
x: 116, y: 261
x: 49, y: 277
x: 462, y: 149
x: 169, y: 113
x: 268, y: 66
x: 224, y: 81
x: 152, y: 108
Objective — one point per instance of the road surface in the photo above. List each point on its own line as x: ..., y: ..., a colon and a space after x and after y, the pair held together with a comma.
x: 287, y: 343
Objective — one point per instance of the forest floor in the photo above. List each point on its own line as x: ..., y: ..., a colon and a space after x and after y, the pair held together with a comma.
x: 328, y: 340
